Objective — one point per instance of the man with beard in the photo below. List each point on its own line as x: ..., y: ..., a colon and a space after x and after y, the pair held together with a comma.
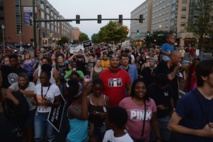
x: 10, y: 73
x: 116, y: 81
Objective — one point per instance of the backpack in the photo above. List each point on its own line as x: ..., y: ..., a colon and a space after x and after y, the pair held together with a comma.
x: 16, y: 111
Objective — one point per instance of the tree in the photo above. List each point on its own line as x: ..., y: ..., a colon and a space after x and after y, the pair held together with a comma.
x: 83, y: 37
x: 63, y: 40
x: 113, y: 32
x: 200, y: 24
x: 95, y: 38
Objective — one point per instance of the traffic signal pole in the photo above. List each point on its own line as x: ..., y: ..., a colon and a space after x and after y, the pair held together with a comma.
x: 34, y: 27
x: 86, y: 19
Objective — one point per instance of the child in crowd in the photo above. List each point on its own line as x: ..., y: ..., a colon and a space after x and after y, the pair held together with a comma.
x: 116, y: 120
x: 98, y: 103
x: 78, y: 111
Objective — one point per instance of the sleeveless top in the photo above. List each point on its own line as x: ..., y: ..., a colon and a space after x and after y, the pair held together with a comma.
x: 96, y: 119
x: 78, y: 128
x: 52, y: 79
x: 96, y: 74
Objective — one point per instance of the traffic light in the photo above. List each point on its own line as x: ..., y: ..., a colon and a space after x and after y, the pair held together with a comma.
x: 148, y: 34
x: 138, y: 32
x: 121, y: 19
x: 77, y: 19
x: 99, y: 19
x: 141, y: 18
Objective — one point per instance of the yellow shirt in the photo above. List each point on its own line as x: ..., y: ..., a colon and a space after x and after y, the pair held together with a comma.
x: 105, y: 64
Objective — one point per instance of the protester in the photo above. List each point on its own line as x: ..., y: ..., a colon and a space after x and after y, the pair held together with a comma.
x: 29, y: 65
x: 54, y: 78
x: 26, y: 88
x: 10, y: 73
x: 105, y: 63
x: 191, y: 78
x: 115, y: 80
x: 116, y: 120
x: 6, y: 61
x: 74, y: 67
x: 47, y: 96
x: 194, y: 109
x: 129, y: 68
x: 161, y: 92
x: 78, y: 111
x: 62, y: 68
x: 142, y: 115
x: 148, y: 73
x: 168, y: 47
x: 98, y: 104
x: 171, y: 68
x: 96, y: 70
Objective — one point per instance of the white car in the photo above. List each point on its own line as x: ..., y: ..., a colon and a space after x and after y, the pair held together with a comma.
x: 75, y: 48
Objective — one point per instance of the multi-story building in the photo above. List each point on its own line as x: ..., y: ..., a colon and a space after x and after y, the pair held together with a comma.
x: 77, y: 33
x: 167, y: 15
x: 142, y: 28
x: 161, y: 13
x: 18, y: 21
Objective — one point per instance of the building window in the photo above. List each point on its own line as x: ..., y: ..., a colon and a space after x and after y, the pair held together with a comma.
x: 183, y: 16
x: 183, y: 8
x: 182, y: 24
x: 42, y: 5
x: 18, y: 16
x: 184, y: 1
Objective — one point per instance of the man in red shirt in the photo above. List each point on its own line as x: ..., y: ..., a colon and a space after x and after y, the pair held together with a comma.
x: 116, y: 82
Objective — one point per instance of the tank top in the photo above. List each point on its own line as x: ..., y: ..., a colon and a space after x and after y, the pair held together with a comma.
x: 78, y: 128
x: 52, y: 79
x: 96, y: 74
x: 96, y: 119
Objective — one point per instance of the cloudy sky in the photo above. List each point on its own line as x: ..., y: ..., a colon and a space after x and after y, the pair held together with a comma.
x: 91, y: 8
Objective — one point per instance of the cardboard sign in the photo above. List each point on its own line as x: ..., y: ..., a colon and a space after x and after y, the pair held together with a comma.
x: 56, y: 115
x: 87, y: 43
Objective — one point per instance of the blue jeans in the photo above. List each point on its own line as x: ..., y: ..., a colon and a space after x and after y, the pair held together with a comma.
x: 43, y: 129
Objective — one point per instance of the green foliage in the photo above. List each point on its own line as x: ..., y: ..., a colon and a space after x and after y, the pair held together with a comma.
x: 95, y: 38
x: 83, y: 37
x: 63, y: 40
x: 113, y: 32
x: 201, y: 24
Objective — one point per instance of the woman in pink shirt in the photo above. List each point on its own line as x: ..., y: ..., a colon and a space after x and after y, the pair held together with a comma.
x: 142, y: 113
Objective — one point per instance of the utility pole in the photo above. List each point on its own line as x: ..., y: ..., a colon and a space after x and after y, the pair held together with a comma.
x: 34, y: 27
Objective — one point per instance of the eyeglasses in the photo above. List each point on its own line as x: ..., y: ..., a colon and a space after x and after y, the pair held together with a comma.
x: 114, y: 55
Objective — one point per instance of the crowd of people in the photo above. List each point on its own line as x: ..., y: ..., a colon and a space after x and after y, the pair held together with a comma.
x: 112, y: 94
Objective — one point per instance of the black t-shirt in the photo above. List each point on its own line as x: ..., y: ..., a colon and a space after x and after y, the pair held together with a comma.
x: 10, y: 75
x: 148, y: 74
x: 81, y: 66
x: 161, y: 96
x: 62, y: 71
x: 163, y: 68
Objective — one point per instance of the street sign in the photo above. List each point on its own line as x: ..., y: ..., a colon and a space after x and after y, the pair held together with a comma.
x: 56, y: 115
x: 87, y: 43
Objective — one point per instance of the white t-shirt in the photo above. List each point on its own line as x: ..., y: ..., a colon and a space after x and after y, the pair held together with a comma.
x: 109, y: 137
x: 30, y: 87
x: 49, y: 94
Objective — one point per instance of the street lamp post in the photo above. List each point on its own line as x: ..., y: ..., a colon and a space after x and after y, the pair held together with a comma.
x: 3, y: 43
x: 20, y: 33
